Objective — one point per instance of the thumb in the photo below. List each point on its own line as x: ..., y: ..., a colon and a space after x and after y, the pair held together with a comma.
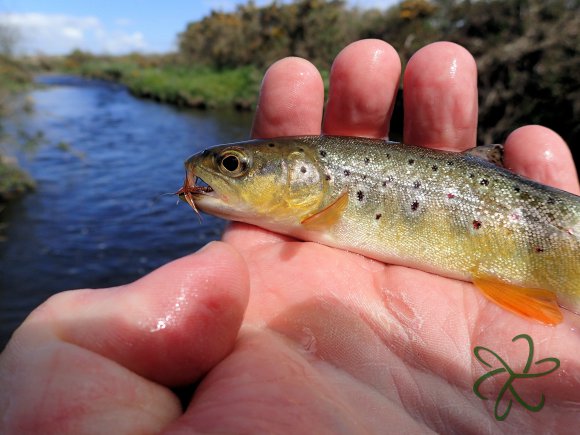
x: 86, y: 354
x: 171, y: 326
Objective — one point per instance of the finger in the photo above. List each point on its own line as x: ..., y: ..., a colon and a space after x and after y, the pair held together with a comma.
x: 440, y: 98
x: 171, y: 326
x: 291, y: 100
x: 59, y: 388
x: 242, y: 235
x: 539, y: 153
x: 363, y: 84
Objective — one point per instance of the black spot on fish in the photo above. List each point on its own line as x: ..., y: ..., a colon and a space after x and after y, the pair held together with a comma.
x: 484, y: 182
x: 415, y: 206
x: 471, y: 175
x: 271, y: 145
x: 346, y: 172
x: 378, y: 216
x: 411, y: 162
x: 367, y: 160
x: 532, y: 218
x: 388, y: 156
x: 551, y: 201
x: 417, y: 184
x: 434, y: 167
x: 538, y: 249
x: 360, y: 195
x: 476, y: 224
x: 303, y: 170
x: 327, y: 177
x: 364, y: 177
x: 301, y: 150
x: 516, y: 188
x: 387, y: 180
x: 449, y: 163
x: 323, y: 153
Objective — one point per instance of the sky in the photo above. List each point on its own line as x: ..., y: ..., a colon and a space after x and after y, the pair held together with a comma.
x: 111, y: 27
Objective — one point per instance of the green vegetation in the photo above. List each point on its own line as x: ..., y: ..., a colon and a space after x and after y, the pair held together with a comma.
x: 313, y: 29
x: 200, y: 87
x: 13, y: 181
x: 13, y: 78
x: 165, y: 80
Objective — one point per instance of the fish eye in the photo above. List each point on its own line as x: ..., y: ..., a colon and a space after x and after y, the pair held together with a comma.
x: 232, y: 163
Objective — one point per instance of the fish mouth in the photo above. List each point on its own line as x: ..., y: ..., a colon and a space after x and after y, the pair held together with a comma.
x: 192, y: 186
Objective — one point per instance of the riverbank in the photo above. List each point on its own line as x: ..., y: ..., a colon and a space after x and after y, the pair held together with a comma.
x: 183, y: 86
x: 14, y: 182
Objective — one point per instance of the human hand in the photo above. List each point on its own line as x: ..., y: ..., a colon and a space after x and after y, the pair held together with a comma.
x: 331, y: 341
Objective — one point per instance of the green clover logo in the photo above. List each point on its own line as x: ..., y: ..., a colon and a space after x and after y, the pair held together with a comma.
x: 512, y: 377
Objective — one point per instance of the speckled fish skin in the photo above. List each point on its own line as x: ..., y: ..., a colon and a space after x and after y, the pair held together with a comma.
x: 452, y: 214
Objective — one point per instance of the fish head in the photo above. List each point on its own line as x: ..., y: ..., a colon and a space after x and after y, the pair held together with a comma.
x: 258, y: 181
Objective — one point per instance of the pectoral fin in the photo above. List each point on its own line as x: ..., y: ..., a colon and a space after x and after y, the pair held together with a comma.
x: 327, y: 216
x: 533, y: 303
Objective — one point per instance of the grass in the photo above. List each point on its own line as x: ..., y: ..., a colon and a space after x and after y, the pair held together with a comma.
x: 197, y: 87
x: 180, y: 85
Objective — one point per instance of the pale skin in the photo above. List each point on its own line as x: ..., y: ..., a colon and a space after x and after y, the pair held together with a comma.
x: 291, y: 337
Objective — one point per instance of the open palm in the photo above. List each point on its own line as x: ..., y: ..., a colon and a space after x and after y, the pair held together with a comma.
x: 330, y: 342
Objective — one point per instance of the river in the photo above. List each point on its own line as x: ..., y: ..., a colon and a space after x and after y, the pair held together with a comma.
x: 98, y: 217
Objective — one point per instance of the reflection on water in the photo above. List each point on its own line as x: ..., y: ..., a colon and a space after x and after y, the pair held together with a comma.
x: 98, y: 217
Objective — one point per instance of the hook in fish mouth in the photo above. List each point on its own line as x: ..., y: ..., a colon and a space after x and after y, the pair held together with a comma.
x: 190, y: 188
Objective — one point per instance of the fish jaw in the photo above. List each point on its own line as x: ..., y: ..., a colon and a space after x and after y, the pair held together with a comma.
x: 212, y: 203
x: 200, y: 195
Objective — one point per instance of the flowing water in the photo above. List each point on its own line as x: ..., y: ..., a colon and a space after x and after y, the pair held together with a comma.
x: 98, y: 217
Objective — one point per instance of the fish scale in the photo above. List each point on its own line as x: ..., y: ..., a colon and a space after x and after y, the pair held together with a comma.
x: 410, y: 210
x: 452, y: 214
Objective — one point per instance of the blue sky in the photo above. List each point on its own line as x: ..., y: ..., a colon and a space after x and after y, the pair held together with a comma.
x: 107, y: 26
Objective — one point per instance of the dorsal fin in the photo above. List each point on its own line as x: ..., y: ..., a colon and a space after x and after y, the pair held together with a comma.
x: 327, y: 216
x: 492, y: 153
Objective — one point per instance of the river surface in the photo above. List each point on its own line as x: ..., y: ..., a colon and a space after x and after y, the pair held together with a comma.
x: 99, y: 217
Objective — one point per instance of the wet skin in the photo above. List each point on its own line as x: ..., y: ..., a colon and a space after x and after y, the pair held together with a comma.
x: 287, y: 336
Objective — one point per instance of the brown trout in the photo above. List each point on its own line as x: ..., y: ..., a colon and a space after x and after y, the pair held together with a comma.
x: 452, y: 214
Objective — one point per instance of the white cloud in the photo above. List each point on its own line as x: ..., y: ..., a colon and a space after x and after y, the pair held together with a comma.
x: 72, y: 33
x: 59, y: 34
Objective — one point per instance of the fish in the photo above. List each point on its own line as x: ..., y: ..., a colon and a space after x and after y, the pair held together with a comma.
x: 452, y: 214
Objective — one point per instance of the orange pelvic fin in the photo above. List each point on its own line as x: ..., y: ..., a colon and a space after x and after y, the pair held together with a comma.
x: 328, y: 216
x: 534, y: 303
